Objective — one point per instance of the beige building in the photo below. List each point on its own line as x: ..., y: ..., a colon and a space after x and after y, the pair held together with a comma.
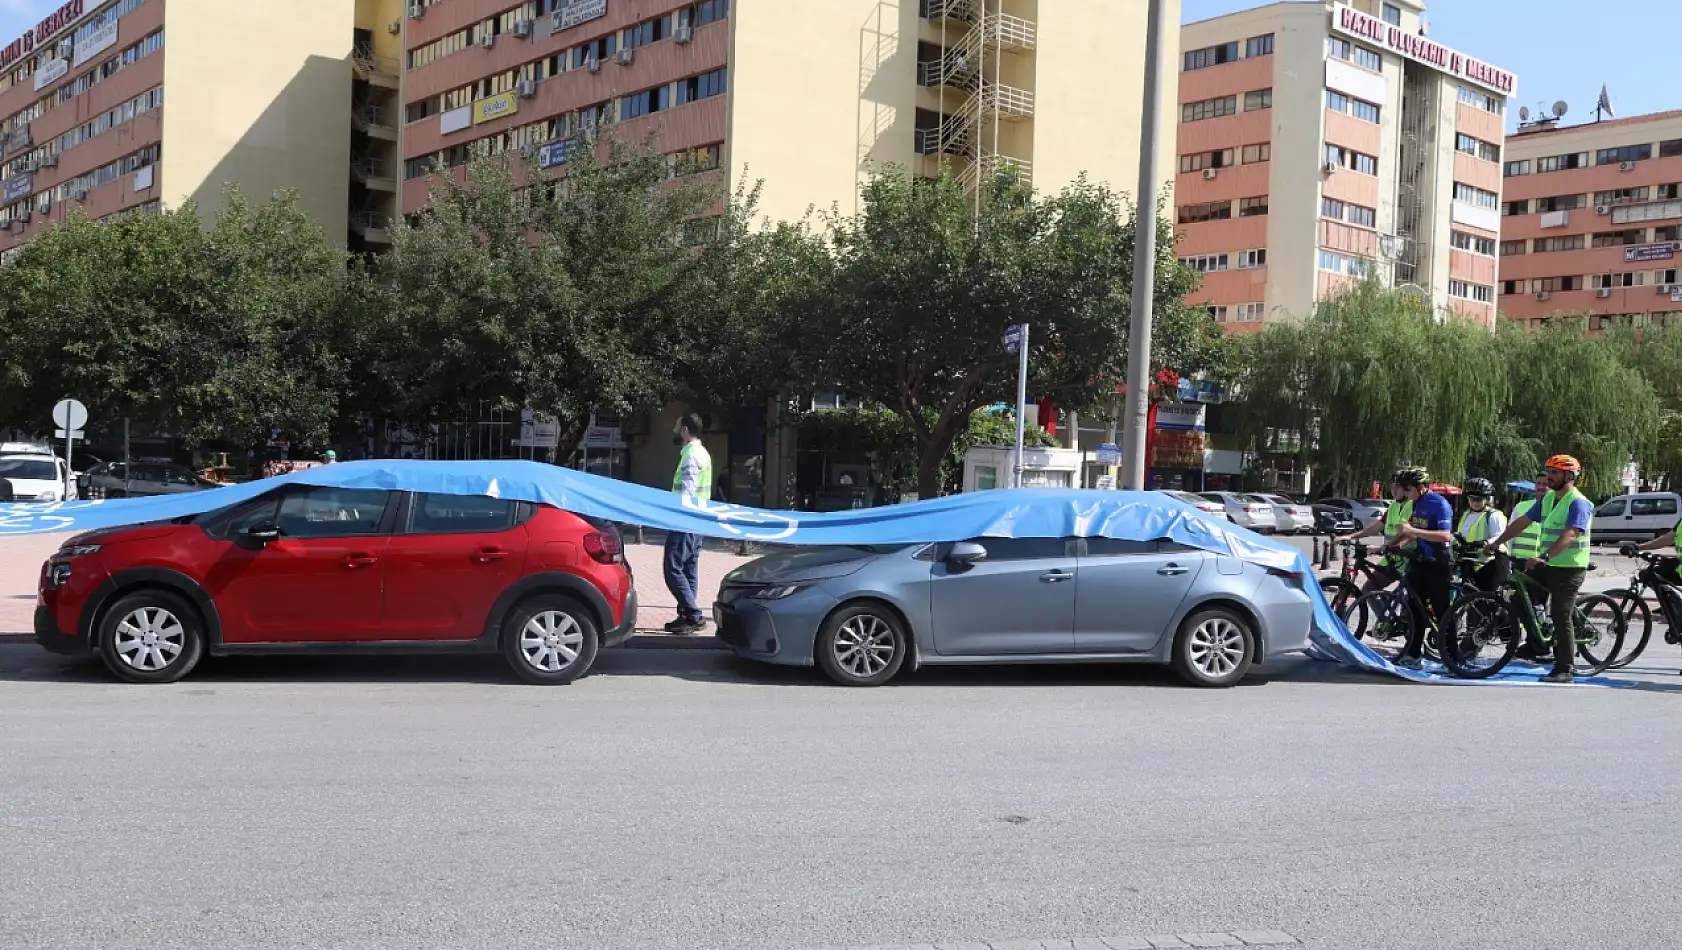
x: 1318, y: 140
x: 132, y: 105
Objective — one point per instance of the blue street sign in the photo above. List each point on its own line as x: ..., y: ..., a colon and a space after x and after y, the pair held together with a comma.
x: 1109, y: 454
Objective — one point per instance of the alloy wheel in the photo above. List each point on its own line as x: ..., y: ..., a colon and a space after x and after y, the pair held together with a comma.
x: 1216, y: 647
x: 551, y: 640
x: 149, y: 638
x: 864, y: 646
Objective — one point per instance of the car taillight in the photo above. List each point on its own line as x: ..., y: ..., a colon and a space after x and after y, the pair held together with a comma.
x: 603, y: 547
x: 1287, y: 575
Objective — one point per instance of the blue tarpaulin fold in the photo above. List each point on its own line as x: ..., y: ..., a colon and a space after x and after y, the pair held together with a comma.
x: 1053, y: 513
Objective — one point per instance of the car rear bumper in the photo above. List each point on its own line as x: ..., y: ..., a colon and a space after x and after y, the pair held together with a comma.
x: 627, y: 624
x: 54, y: 640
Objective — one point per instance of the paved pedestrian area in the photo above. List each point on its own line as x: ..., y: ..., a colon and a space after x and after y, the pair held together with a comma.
x: 1236, y: 938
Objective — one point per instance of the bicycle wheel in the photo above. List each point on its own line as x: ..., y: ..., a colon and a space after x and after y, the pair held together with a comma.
x: 1480, y: 636
x: 1339, y: 593
x: 1600, y: 634
x: 1638, y: 624
x: 1383, y: 618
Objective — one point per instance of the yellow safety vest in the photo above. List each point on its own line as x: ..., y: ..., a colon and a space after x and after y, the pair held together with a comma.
x: 1398, y: 514
x: 703, y: 490
x: 1555, y: 509
x: 1474, y: 527
x: 1527, y: 543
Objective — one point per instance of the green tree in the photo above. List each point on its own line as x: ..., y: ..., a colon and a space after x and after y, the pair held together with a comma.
x: 513, y: 289
x: 1372, y: 379
x: 1656, y: 353
x: 908, y: 306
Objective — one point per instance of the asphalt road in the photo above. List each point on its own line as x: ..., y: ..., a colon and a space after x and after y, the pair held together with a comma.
x: 678, y: 799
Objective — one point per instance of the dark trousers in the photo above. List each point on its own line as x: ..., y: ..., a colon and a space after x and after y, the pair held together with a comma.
x: 1563, y: 584
x: 683, y: 573
x: 1431, y: 580
x: 1493, y: 576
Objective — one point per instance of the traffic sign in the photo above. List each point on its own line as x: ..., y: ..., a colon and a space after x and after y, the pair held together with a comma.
x: 70, y: 414
x: 1013, y: 337
x: 1109, y: 454
x: 72, y: 434
x: 1106, y: 482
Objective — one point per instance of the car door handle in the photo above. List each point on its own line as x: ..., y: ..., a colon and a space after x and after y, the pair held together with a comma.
x: 354, y: 561
x: 487, y: 555
x: 1172, y: 570
x: 1053, y: 577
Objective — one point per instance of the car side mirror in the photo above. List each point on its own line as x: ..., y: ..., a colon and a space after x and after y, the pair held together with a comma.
x: 263, y: 532
x: 966, y: 554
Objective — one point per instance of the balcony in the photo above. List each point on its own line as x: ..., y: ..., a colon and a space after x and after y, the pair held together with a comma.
x: 1006, y: 32
x: 952, y: 137
x: 937, y: 10
x: 1006, y: 102
x: 371, y: 226
x: 374, y: 121
x: 992, y: 165
x: 373, y: 172
x: 379, y: 71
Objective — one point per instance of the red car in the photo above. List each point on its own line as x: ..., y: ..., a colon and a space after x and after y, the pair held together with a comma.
x: 306, y: 569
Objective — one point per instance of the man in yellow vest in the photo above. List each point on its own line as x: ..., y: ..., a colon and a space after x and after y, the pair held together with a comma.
x: 1564, y: 515
x: 1399, y: 512
x: 693, y: 481
x: 1528, y: 543
x: 1480, y: 522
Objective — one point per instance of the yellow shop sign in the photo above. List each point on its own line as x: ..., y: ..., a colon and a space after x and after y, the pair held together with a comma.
x: 495, y: 107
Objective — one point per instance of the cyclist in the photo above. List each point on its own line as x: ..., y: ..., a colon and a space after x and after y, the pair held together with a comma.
x: 1397, y: 514
x: 1430, y: 572
x: 1481, y: 522
x: 1564, y: 515
x: 1666, y: 571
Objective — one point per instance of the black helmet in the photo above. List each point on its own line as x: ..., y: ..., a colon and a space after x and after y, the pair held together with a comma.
x: 1411, y: 477
x: 1479, y: 488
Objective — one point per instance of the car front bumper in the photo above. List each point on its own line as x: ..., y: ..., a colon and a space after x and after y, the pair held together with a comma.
x: 54, y: 640
x: 771, y: 631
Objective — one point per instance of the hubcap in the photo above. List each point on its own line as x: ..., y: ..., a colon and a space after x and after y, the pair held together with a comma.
x: 149, y: 639
x: 1217, y: 647
x: 864, y: 646
x: 551, y: 640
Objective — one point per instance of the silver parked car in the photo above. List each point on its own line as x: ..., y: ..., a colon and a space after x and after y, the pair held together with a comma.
x: 861, y: 614
x: 1202, y: 504
x: 133, y: 479
x: 1291, y: 517
x: 1362, y: 511
x: 1246, y: 511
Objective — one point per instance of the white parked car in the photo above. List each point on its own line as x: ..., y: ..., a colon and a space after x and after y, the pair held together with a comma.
x: 1292, y: 517
x: 1246, y: 511
x: 1640, y: 517
x: 1197, y: 501
x: 36, y: 476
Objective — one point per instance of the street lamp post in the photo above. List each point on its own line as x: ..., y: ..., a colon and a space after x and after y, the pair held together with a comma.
x: 1159, y: 40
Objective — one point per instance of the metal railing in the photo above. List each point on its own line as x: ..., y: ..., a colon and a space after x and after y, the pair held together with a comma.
x: 366, y: 116
x: 1006, y: 101
x: 367, y: 64
x: 370, y: 167
x: 971, y: 177
x: 370, y: 220
x: 1004, y: 31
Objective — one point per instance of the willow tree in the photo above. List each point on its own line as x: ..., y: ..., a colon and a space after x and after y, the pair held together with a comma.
x: 1373, y: 378
x: 1656, y: 353
x: 1574, y: 394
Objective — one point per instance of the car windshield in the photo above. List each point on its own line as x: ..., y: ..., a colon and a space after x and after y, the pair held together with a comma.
x: 38, y: 469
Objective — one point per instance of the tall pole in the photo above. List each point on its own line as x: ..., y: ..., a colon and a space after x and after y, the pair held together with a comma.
x: 1021, y: 400
x: 1157, y: 42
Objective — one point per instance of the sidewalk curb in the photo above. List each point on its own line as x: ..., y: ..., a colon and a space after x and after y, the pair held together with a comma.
x: 640, y: 641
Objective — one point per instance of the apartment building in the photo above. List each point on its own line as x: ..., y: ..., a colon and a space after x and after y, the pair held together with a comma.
x: 84, y: 123
x: 807, y: 97
x: 1317, y: 141
x: 1592, y: 221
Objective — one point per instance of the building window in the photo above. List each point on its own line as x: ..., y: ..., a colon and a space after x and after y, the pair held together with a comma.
x: 1613, y: 281
x: 1258, y: 99
x: 648, y: 31
x: 1514, y: 169
x: 1627, y: 153
x: 1339, y: 48
x: 1202, y: 160
x: 1514, y: 248
x: 1670, y: 148
x: 1620, y: 196
x: 1472, y: 242
x: 1219, y: 313
x: 1342, y: 264
x: 1259, y: 45
x: 647, y: 102
x: 1670, y: 233
x: 1206, y: 263
x: 704, y: 12
x: 1252, y: 259
x: 1363, y: 217
x: 1560, y: 163
x: 1476, y: 196
x: 1251, y: 207
x: 1516, y: 207
x: 1331, y: 208
x: 1251, y: 154
x: 1348, y: 105
x: 704, y: 86
x: 1488, y: 103
x: 1354, y: 214
x: 1618, y: 238
x: 1512, y: 287
x: 1250, y: 313
x: 1568, y: 242
x: 1667, y: 276
x: 1668, y: 192
x: 1211, y: 56
x: 1552, y: 285
x: 1351, y: 159
x: 1392, y: 14
x: 1477, y: 147
x: 1209, y: 211
x: 1559, y: 203
x: 1208, y: 109
x: 1470, y: 291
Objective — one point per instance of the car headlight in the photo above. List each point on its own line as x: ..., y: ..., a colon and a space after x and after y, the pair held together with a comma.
x: 47, y: 496
x: 778, y: 592
x: 79, y: 550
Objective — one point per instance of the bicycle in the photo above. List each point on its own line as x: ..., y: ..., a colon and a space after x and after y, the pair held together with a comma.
x: 1386, y: 615
x: 1632, y: 605
x: 1342, y: 590
x: 1502, y: 621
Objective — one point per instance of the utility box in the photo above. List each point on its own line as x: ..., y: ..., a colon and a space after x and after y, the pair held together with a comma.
x: 993, y: 466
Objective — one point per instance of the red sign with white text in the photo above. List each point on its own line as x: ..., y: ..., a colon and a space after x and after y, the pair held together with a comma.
x: 1352, y: 22
x: 45, y: 30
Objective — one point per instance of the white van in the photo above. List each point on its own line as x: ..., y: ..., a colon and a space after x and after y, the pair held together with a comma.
x: 37, y: 476
x: 1640, y: 517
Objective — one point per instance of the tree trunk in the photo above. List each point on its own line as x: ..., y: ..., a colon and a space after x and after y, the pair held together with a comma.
x: 570, y: 437
x: 928, y: 472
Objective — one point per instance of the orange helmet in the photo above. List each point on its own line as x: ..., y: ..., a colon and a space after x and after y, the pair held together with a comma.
x: 1566, y: 463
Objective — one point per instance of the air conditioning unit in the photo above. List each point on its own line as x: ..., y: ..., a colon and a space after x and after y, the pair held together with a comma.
x: 488, y: 40
x: 1330, y: 167
x: 592, y: 64
x: 527, y: 88
x: 625, y: 57
x: 1663, y: 289
x: 1626, y: 166
x: 49, y: 161
x: 394, y: 27
x: 1543, y: 295
x: 1676, y: 245
x: 1603, y: 293
x: 683, y: 34
x: 32, y: 165
x: 525, y: 150
x: 1208, y: 174
x: 522, y: 29
x: 417, y: 11
x: 46, y: 204
x: 25, y: 215
x: 1603, y: 209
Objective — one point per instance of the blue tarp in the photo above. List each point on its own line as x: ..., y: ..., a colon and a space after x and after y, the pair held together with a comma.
x: 1133, y: 516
